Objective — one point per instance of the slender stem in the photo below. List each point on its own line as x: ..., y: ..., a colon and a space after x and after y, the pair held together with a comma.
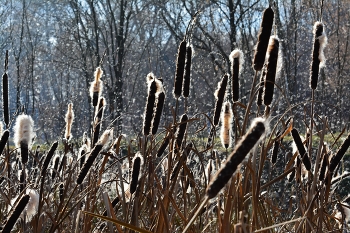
x: 206, y: 199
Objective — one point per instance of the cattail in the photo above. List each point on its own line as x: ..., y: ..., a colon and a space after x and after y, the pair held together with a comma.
x: 180, y: 66
x: 271, y: 70
x: 136, y: 167
x: 93, y: 155
x: 318, y: 59
x: 209, y: 169
x: 56, y: 161
x: 83, y: 150
x: 263, y: 39
x: 250, y: 139
x: 5, y: 98
x: 219, y: 95
x: 98, y: 120
x: 114, y: 203
x: 16, y: 214
x: 32, y: 207
x: 301, y: 149
x: 163, y: 146
x: 180, y: 132
x: 3, y: 141
x: 151, y: 98
x: 179, y: 164
x: 96, y: 86
x: 24, y: 135
x: 339, y: 155
x: 187, y: 75
x: 48, y: 158
x: 237, y: 60
x: 275, y: 148
x: 100, y: 109
x: 21, y: 174
x: 69, y: 120
x: 61, y: 192
x: 226, y: 119
x: 158, y: 113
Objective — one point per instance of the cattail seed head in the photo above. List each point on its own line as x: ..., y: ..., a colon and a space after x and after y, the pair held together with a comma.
x: 69, y: 121
x: 339, y: 155
x: 301, y: 149
x: 180, y: 132
x: 5, y: 98
x: 16, y: 214
x: 158, y: 112
x: 149, y: 110
x: 187, y: 74
x: 263, y: 39
x: 318, y: 58
x: 180, y: 66
x: 220, y: 96
x: 48, y: 158
x: 136, y: 167
x: 96, y: 86
x: 271, y: 69
x: 226, y: 119
x: 24, y: 135
x: 275, y: 148
x: 56, y: 161
x: 100, y: 109
x: 237, y: 60
x: 259, y: 98
x: 4, y: 139
x: 323, y: 167
x: 256, y: 132
x: 163, y: 147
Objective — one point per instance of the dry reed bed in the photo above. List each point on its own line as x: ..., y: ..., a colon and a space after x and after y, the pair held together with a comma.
x: 167, y: 183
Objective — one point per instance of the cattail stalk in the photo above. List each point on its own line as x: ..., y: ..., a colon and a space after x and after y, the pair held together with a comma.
x: 237, y: 60
x: 339, y: 155
x: 226, y: 119
x: 271, y: 70
x: 249, y: 140
x: 16, y: 214
x: 151, y: 98
x: 263, y: 39
x: 301, y: 149
x: 158, y: 112
x: 69, y: 121
x: 187, y: 74
x: 219, y: 95
x: 180, y: 66
x: 24, y: 135
x: 318, y: 59
x: 96, y: 86
x: 136, y: 167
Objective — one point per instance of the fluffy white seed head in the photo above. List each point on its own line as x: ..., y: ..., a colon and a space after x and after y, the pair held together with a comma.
x: 237, y: 53
x: 32, y: 206
x: 69, y: 121
x: 105, y: 137
x: 97, y: 85
x: 24, y: 130
x: 226, y: 119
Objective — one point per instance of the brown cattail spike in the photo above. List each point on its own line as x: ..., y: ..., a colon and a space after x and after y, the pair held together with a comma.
x: 187, y: 74
x: 180, y: 133
x: 151, y: 98
x: 4, y: 139
x: 180, y: 66
x: 136, y: 167
x: 263, y: 39
x: 16, y: 214
x: 158, y: 113
x: 275, y: 148
x: 220, y: 96
x: 5, y: 98
x: 249, y: 140
x: 323, y: 167
x: 339, y: 155
x: 301, y: 149
x: 226, y: 119
x: 271, y: 69
x: 237, y: 60
x: 163, y: 147
x: 318, y: 59
x: 48, y: 158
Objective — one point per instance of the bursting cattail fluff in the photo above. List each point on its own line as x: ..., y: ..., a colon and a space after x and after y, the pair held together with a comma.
x: 256, y: 132
x: 105, y: 137
x: 187, y: 74
x: 237, y: 60
x: 318, y: 58
x: 151, y: 98
x: 32, y: 206
x: 180, y: 66
x: 16, y: 214
x: 271, y: 69
x: 259, y: 99
x: 24, y: 134
x: 301, y: 149
x: 339, y: 155
x: 219, y: 95
x: 263, y: 39
x: 69, y: 121
x: 158, y: 112
x: 226, y: 119
x: 136, y: 168
x: 96, y: 86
